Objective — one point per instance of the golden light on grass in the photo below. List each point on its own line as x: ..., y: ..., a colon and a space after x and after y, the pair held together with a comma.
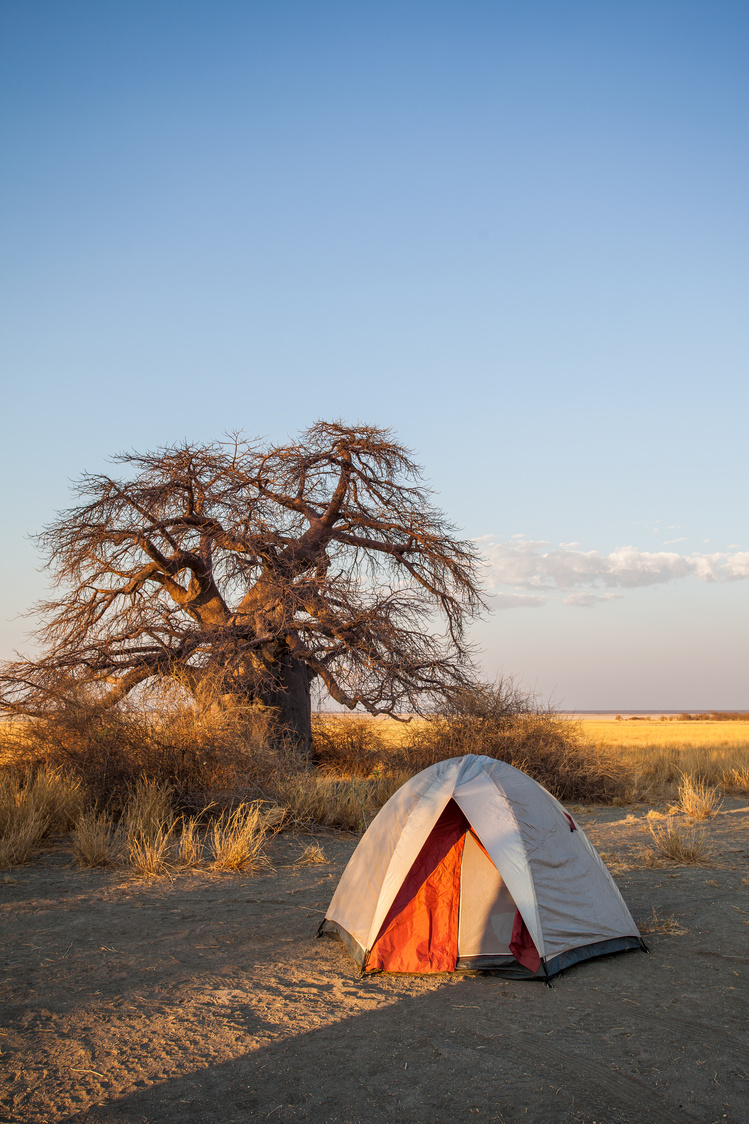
x: 312, y: 855
x: 238, y: 839
x: 698, y: 799
x: 149, y: 853
x: 149, y: 808
x: 32, y: 804
x: 189, y: 848
x: 680, y: 844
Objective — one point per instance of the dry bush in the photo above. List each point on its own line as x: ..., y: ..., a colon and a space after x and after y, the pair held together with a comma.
x: 680, y: 844
x: 347, y: 745
x: 32, y: 804
x: 502, y: 721
x: 699, y: 800
x: 312, y: 855
x: 221, y: 758
x: 238, y: 839
x: 97, y: 840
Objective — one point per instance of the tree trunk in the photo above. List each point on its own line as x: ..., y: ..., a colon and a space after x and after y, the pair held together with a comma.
x: 290, y: 696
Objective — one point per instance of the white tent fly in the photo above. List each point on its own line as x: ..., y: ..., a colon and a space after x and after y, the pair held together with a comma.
x: 474, y: 865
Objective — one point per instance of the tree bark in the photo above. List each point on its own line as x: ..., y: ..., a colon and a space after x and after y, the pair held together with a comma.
x: 290, y: 696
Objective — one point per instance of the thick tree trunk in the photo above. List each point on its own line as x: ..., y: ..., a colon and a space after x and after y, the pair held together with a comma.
x: 290, y: 696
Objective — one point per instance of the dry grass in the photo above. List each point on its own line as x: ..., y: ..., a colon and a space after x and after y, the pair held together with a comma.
x: 654, y: 756
x: 657, y: 924
x: 652, y: 732
x: 698, y: 800
x: 348, y: 803
x: 96, y: 840
x: 238, y: 839
x: 312, y: 855
x: 34, y: 803
x: 736, y: 780
x: 189, y: 846
x: 149, y: 808
x: 680, y: 844
x: 150, y: 854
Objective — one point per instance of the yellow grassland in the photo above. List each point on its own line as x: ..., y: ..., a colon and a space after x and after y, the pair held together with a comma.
x: 653, y: 732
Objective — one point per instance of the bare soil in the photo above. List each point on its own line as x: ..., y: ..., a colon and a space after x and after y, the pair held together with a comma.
x: 207, y: 999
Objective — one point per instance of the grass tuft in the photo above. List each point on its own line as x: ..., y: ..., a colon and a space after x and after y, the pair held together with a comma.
x: 238, y: 839
x: 149, y: 853
x: 679, y: 844
x: 312, y: 855
x: 699, y: 800
x: 189, y: 847
x: 96, y: 839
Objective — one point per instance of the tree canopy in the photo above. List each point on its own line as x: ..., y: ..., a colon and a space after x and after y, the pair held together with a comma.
x: 244, y: 571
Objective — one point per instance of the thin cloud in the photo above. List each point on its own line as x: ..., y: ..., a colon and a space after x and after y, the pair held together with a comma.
x: 517, y: 601
x: 536, y: 566
x: 588, y: 600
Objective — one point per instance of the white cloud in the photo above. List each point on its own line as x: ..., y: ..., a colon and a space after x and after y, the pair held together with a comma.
x: 530, y: 565
x: 516, y: 600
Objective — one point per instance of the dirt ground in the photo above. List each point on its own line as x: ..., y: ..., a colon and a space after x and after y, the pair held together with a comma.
x: 207, y: 999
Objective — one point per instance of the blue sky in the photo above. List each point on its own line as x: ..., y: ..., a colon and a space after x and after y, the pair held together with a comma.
x: 517, y: 233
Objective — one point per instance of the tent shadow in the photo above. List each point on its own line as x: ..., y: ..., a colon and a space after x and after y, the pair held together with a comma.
x: 476, y: 1050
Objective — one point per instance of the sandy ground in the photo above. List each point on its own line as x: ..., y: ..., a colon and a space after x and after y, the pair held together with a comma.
x: 207, y: 999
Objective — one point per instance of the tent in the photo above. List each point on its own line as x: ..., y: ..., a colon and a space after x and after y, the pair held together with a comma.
x: 474, y: 865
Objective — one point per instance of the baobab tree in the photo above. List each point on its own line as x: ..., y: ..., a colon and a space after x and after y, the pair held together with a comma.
x: 245, y: 571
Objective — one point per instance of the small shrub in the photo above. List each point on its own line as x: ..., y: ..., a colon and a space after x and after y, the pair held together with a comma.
x: 697, y: 799
x: 347, y: 745
x: 149, y: 809
x: 680, y: 844
x: 238, y: 839
x: 500, y: 720
x: 96, y: 840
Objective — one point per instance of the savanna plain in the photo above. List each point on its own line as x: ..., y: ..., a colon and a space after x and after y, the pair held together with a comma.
x: 162, y: 881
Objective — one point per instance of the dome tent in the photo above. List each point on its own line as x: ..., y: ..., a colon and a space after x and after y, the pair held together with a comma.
x: 473, y: 865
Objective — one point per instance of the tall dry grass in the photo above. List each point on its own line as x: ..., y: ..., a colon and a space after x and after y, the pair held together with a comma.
x: 238, y: 839
x: 698, y: 799
x: 33, y: 804
x: 347, y: 803
x: 97, y: 840
x: 654, y: 759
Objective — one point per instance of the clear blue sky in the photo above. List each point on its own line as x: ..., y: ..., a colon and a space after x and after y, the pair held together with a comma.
x: 515, y: 232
